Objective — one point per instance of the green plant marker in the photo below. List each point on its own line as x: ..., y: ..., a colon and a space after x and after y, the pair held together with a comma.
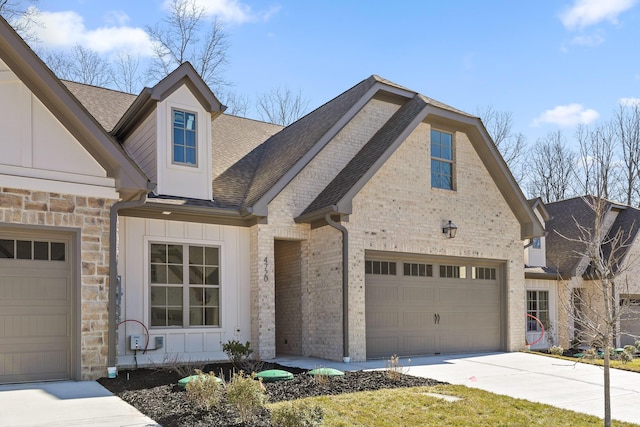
x: 273, y: 375
x: 203, y: 377
x: 327, y: 372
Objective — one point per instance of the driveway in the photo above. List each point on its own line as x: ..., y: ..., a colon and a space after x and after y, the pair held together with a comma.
x: 574, y: 386
x: 66, y: 403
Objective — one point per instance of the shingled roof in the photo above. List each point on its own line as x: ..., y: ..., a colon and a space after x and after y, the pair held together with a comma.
x: 105, y: 105
x: 244, y: 183
x: 562, y: 245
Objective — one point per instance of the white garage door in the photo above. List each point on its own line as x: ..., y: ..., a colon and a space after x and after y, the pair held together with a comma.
x: 424, y: 307
x: 35, y: 309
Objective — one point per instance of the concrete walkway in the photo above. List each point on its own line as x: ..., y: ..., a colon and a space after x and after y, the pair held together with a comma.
x: 574, y: 386
x: 66, y: 403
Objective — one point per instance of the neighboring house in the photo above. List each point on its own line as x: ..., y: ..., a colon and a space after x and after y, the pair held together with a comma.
x: 333, y: 237
x: 541, y: 287
x: 557, y: 270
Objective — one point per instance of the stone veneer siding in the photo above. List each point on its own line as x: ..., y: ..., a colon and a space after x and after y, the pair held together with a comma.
x: 90, y: 216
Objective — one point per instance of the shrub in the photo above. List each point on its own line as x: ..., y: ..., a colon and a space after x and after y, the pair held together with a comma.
x: 556, y: 350
x: 290, y: 414
x: 638, y: 344
x: 394, y: 369
x: 591, y: 353
x: 246, y: 395
x: 631, y: 349
x: 205, y: 390
x: 237, y: 352
x: 625, y: 356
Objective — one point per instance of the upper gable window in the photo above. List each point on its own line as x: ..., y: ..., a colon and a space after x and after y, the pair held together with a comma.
x: 441, y: 160
x: 184, y: 138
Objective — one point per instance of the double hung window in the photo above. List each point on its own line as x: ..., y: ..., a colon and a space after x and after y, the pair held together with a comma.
x: 441, y: 160
x: 185, y: 285
x: 537, y: 306
x: 184, y: 138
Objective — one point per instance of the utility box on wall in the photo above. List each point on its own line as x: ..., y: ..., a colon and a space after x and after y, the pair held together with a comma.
x: 136, y: 342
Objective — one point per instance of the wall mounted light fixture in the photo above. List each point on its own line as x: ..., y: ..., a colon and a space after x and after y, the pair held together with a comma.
x: 450, y: 230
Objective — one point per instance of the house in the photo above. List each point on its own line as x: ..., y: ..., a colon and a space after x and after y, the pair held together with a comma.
x: 558, y: 275
x: 383, y: 222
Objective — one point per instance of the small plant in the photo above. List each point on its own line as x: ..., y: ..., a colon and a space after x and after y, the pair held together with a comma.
x: 252, y: 365
x: 626, y: 356
x: 631, y: 349
x: 237, y: 352
x: 205, y: 390
x: 321, y: 378
x: 556, y: 350
x: 246, y: 395
x: 290, y: 414
x: 394, y: 369
x: 591, y: 353
x: 637, y: 343
x: 171, y: 362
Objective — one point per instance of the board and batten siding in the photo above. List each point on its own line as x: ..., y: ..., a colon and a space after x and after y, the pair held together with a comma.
x: 181, y: 344
x: 141, y: 147
x: 38, y: 152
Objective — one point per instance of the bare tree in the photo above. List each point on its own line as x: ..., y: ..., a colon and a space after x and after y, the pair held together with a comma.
x: 237, y: 104
x: 627, y: 122
x: 599, y: 171
x: 126, y: 75
x: 22, y: 15
x: 185, y: 36
x: 552, y: 172
x: 81, y: 65
x: 593, y: 307
x: 511, y: 145
x: 282, y: 106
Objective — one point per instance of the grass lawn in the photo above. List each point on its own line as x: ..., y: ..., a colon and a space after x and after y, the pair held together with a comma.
x: 415, y: 407
x: 633, y: 365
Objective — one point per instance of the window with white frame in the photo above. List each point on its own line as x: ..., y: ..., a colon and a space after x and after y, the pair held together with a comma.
x: 185, y: 285
x: 184, y: 138
x: 441, y: 160
x: 537, y: 306
x: 535, y: 243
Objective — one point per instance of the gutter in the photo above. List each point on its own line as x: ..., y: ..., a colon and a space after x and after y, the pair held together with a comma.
x: 345, y: 285
x: 113, y: 271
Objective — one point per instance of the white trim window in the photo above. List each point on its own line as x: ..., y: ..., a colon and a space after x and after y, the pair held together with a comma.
x: 184, y: 138
x: 185, y: 285
x: 537, y: 306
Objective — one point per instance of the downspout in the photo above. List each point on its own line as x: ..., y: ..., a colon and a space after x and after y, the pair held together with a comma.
x: 345, y: 285
x: 113, y: 271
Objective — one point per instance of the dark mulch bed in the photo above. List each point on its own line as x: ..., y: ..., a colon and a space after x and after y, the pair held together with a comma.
x: 155, y: 393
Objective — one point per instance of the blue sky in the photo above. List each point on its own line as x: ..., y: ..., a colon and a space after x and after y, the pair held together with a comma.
x: 551, y: 64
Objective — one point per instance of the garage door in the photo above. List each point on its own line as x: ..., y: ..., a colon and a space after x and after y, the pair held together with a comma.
x: 35, y: 309
x: 427, y: 307
x: 629, y: 319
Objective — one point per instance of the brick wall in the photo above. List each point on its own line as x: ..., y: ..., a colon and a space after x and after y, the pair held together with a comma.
x: 288, y: 277
x: 90, y: 216
x: 396, y: 211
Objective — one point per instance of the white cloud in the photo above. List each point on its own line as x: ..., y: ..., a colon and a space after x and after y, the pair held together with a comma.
x: 591, y: 41
x: 629, y: 102
x: 584, y: 13
x: 567, y: 115
x: 62, y: 30
x: 232, y: 11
